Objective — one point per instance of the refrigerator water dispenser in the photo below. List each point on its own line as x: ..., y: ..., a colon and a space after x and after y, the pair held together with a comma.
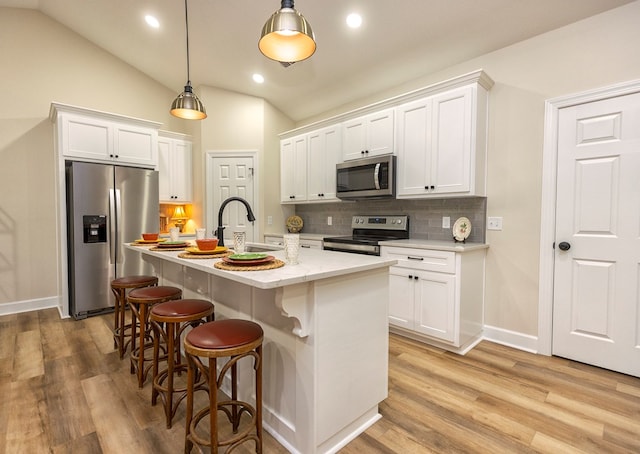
x: 94, y: 228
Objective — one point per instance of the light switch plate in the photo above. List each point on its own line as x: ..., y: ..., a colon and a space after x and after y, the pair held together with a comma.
x: 269, y: 220
x: 446, y: 222
x: 494, y: 223
x: 329, y: 220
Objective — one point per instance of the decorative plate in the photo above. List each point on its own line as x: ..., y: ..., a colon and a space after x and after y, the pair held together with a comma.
x: 195, y: 250
x: 142, y: 241
x: 260, y: 261
x: 170, y: 244
x: 294, y: 224
x: 248, y: 256
x: 461, y: 229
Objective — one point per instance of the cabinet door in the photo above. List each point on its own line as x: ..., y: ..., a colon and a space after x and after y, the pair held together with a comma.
x: 354, y: 139
x: 181, y: 171
x: 451, y: 140
x: 401, y: 297
x: 135, y: 145
x: 380, y: 133
x: 86, y: 138
x: 293, y: 170
x: 324, y: 153
x: 435, y: 307
x: 414, y: 148
x: 164, y: 170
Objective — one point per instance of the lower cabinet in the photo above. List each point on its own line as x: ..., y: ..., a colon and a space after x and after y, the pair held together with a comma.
x: 437, y: 296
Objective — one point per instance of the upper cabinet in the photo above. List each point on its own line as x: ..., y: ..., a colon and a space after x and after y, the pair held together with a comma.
x: 438, y: 133
x: 293, y: 169
x: 323, y: 153
x: 93, y: 136
x: 308, y: 166
x: 368, y: 136
x: 441, y: 144
x: 174, y: 167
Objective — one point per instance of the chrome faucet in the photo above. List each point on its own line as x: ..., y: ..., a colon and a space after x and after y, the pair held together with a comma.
x: 220, y: 229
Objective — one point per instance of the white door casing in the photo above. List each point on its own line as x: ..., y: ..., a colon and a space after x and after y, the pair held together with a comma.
x: 231, y: 174
x: 600, y: 223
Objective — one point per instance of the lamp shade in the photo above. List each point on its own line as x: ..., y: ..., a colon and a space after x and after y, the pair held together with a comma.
x: 287, y: 36
x: 179, y: 213
x: 188, y: 106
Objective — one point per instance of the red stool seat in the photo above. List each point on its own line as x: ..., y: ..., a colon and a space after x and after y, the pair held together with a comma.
x: 140, y: 300
x: 233, y: 340
x: 169, y: 320
x: 119, y: 287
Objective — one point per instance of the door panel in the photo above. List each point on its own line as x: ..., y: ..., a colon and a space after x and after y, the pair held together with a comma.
x: 596, y: 312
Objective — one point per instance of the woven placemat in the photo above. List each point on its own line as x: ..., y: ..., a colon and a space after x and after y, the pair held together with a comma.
x: 267, y: 266
x: 168, y: 249
x: 133, y: 243
x: 189, y: 255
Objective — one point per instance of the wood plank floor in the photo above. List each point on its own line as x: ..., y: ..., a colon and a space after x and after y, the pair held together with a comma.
x: 64, y: 390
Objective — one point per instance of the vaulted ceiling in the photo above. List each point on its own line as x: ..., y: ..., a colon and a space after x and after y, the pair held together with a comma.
x: 398, y: 41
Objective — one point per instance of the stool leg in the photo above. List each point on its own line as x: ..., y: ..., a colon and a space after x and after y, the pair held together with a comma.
x: 143, y: 333
x: 258, y: 370
x: 123, y: 305
x: 134, y: 326
x: 213, y: 403
x: 235, y: 420
x: 116, y: 319
x: 171, y: 348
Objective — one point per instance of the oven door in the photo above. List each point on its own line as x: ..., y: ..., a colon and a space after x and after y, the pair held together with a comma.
x: 366, y: 178
x: 355, y: 247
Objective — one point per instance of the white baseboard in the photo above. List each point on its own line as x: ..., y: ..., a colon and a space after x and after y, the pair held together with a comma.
x: 17, y: 307
x: 509, y: 338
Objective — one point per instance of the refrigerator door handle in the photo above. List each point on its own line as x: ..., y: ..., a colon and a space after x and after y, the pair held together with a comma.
x: 112, y: 226
x: 118, y: 229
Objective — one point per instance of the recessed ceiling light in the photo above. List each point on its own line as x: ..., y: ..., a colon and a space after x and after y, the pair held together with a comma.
x: 354, y: 20
x: 258, y: 78
x: 152, y: 21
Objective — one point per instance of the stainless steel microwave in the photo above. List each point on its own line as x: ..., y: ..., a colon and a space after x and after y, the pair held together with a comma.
x: 366, y: 178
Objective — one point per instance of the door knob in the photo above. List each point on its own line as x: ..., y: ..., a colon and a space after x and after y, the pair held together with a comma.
x: 564, y: 246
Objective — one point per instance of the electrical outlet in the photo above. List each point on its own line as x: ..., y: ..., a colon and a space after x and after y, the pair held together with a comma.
x: 329, y: 220
x: 269, y: 220
x: 446, y: 222
x: 494, y: 223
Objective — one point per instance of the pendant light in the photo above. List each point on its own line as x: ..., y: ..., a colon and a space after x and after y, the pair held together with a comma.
x: 287, y: 36
x: 187, y: 105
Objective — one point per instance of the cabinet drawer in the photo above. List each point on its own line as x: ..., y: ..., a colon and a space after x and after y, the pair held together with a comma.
x: 422, y: 259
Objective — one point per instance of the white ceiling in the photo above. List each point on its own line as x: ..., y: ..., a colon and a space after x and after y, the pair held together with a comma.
x: 399, y: 41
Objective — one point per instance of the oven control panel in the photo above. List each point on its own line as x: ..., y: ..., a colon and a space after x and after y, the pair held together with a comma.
x: 394, y: 222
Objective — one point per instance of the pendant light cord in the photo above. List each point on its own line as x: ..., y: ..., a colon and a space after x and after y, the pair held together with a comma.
x: 186, y: 21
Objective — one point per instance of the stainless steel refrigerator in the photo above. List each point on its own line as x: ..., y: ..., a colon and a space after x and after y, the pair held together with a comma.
x: 107, y: 205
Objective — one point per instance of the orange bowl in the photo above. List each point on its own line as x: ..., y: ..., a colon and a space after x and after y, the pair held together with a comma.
x: 149, y: 236
x: 207, y: 244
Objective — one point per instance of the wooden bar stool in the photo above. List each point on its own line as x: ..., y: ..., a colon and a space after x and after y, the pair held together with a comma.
x: 233, y: 340
x: 169, y: 320
x: 119, y: 287
x: 140, y: 300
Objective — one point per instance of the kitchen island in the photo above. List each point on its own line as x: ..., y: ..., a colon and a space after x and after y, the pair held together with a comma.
x: 325, y: 343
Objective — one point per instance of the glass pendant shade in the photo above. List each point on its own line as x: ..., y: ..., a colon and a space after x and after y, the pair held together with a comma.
x: 287, y: 36
x: 188, y: 106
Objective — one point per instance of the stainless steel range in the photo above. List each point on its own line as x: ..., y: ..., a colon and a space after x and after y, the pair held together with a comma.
x: 368, y: 231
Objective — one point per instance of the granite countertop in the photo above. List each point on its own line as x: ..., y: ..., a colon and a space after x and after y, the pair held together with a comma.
x: 313, y: 265
x: 440, y: 245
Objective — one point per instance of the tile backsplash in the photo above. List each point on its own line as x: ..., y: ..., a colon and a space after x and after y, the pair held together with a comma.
x: 425, y: 216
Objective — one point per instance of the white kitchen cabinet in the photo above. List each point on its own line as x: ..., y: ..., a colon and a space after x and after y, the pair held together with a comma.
x: 441, y: 144
x: 437, y: 296
x: 91, y: 136
x: 368, y: 136
x: 308, y: 166
x: 175, y: 167
x: 293, y: 169
x: 323, y: 153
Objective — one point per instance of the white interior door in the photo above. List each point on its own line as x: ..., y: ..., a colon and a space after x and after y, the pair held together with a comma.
x: 596, y: 309
x: 231, y: 176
